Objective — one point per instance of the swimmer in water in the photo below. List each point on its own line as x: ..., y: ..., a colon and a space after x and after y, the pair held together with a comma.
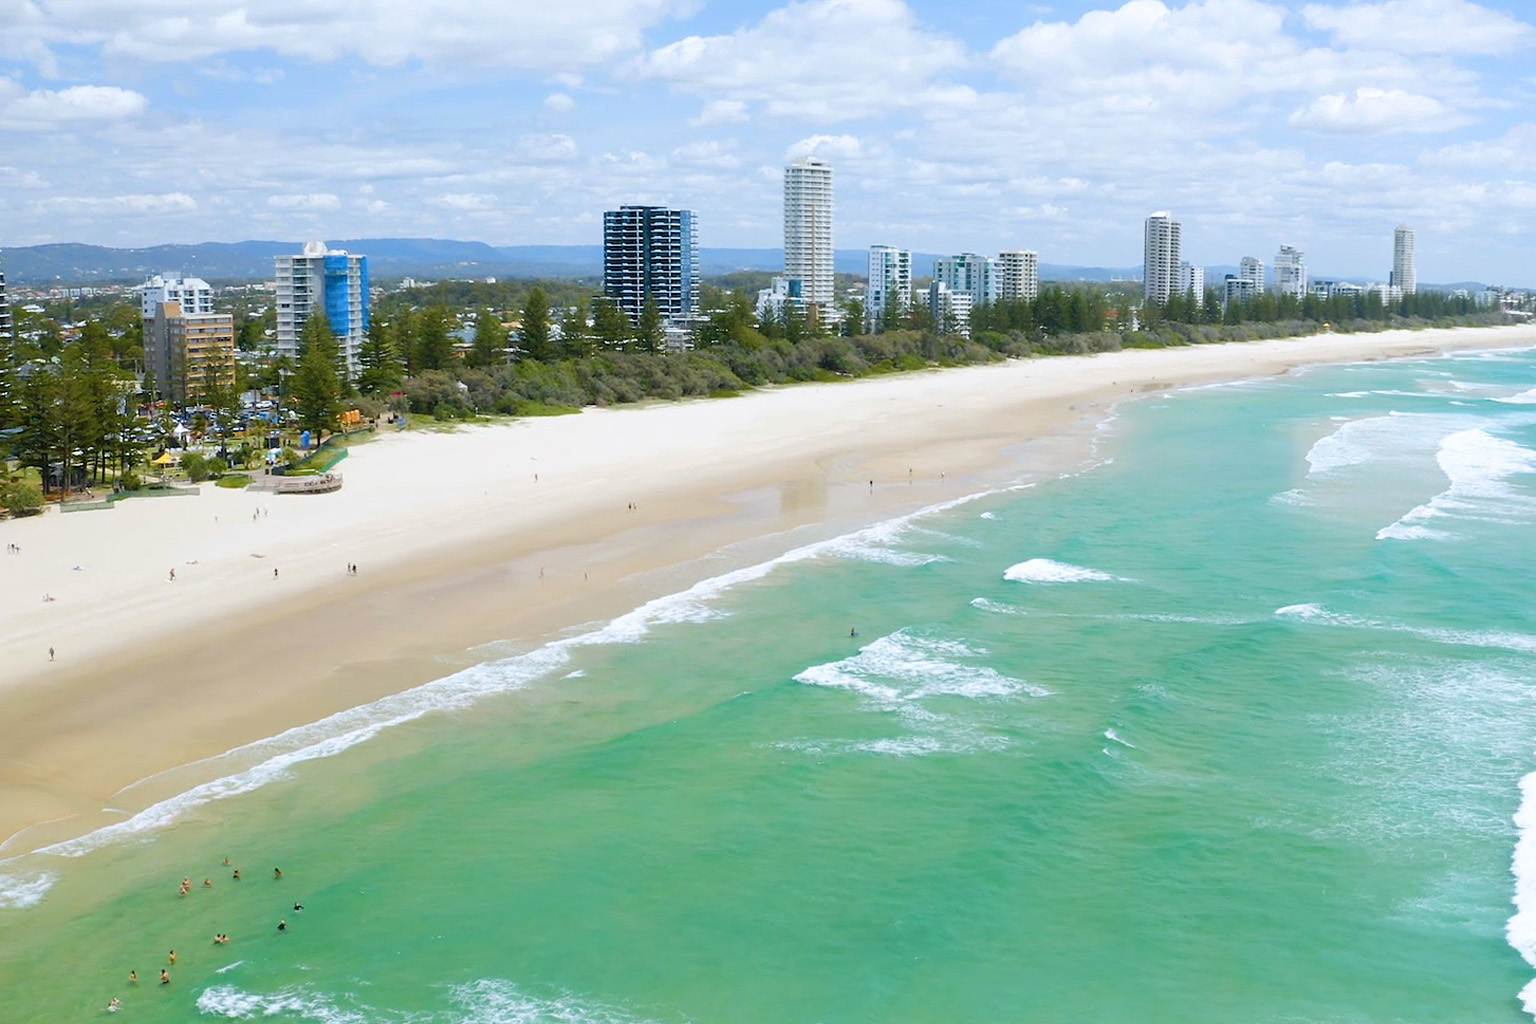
x: 277, y: 872
x: 173, y: 958
x: 298, y: 907
x: 207, y: 883
x: 237, y: 874
x: 133, y: 977
x: 114, y: 1004
x: 165, y: 976
x: 226, y: 862
x: 282, y: 926
x: 853, y: 632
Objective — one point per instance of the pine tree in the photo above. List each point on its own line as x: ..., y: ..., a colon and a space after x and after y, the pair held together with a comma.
x: 534, y: 335
x: 316, y: 391
x: 574, y: 340
x: 650, y: 336
x: 490, y: 343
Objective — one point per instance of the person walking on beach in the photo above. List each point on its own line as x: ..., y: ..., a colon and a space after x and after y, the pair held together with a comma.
x: 50, y: 654
x: 173, y: 575
x: 274, y: 574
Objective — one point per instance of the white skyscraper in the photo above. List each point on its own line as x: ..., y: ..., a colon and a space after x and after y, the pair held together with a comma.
x: 890, y: 280
x: 951, y: 309
x: 1192, y: 280
x: 1291, y: 272
x: 808, y: 229
x: 1251, y: 269
x: 975, y: 275
x: 331, y: 281
x: 1160, y: 268
x: 1018, y: 274
x: 1403, y: 274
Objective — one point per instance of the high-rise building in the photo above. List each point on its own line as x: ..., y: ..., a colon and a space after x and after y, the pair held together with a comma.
x: 890, y: 281
x: 5, y: 310
x: 1403, y: 274
x: 1251, y: 269
x: 975, y: 275
x: 1160, y: 267
x: 1018, y: 274
x: 189, y: 302
x: 332, y: 281
x: 1291, y: 272
x: 951, y: 309
x: 808, y: 229
x: 1240, y: 289
x: 190, y: 354
x: 650, y: 253
x: 1192, y: 280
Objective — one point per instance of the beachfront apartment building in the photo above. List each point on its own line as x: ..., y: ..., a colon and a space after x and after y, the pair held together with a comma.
x: 1240, y: 289
x: 188, y: 348
x: 1291, y: 272
x: 974, y: 275
x: 330, y: 281
x: 890, y: 282
x: 191, y: 355
x: 808, y: 229
x: 1160, y: 263
x: 5, y: 310
x: 1251, y: 269
x: 1403, y: 274
x: 1191, y: 280
x: 1018, y: 274
x: 650, y: 254
x: 950, y: 309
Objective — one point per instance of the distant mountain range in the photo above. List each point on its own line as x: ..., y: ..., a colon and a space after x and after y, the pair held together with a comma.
x: 429, y: 258
x: 75, y: 263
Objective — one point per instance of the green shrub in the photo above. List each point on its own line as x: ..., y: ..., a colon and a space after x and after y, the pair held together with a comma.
x: 130, y: 481
x: 234, y: 480
x: 195, y: 465
x: 20, y: 498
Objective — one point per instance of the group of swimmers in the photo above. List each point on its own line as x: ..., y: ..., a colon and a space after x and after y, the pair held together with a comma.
x: 219, y: 939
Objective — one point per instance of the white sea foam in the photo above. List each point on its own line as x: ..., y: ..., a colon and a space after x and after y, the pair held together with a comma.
x: 1499, y: 640
x: 17, y: 892
x: 1294, y: 497
x: 273, y: 759
x: 1523, y: 398
x: 989, y: 515
x: 1521, y: 928
x: 228, y: 967
x: 488, y: 1001
x: 996, y: 607
x: 1114, y: 737
x: 1481, y: 468
x: 1044, y: 570
x: 1373, y: 439
x: 906, y: 667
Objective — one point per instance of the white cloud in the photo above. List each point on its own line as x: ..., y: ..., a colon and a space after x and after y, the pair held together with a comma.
x: 80, y: 103
x: 824, y: 60
x: 829, y: 147
x: 304, y: 201
x: 558, y: 102
x: 382, y: 32
x: 717, y: 155
x: 1375, y: 111
x: 721, y: 112
x: 1422, y: 27
x: 547, y: 147
x: 464, y: 201
x: 166, y: 202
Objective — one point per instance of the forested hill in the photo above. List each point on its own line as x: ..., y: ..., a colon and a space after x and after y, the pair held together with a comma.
x: 76, y: 263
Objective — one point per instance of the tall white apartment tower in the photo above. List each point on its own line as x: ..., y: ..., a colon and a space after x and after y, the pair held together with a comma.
x: 1252, y: 269
x: 1160, y: 268
x: 808, y: 229
x: 1018, y: 274
x: 1291, y: 272
x: 331, y: 281
x: 890, y: 281
x: 1403, y: 275
x: 1191, y: 281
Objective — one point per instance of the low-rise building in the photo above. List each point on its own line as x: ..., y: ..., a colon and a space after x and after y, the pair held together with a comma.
x: 950, y: 308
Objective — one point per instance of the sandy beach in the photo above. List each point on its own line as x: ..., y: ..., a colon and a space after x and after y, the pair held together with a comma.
x: 491, y: 533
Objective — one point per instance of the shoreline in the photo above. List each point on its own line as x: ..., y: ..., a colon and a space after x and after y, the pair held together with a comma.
x: 156, y: 676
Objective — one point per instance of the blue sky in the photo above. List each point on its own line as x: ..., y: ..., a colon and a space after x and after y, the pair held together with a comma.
x: 977, y: 126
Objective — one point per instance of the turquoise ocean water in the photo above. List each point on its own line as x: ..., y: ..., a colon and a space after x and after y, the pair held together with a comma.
x: 1230, y: 726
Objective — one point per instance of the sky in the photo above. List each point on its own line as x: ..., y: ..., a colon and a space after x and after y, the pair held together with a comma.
x: 975, y: 126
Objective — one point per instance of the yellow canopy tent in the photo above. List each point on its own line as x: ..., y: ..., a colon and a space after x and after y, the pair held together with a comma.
x: 164, y: 460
